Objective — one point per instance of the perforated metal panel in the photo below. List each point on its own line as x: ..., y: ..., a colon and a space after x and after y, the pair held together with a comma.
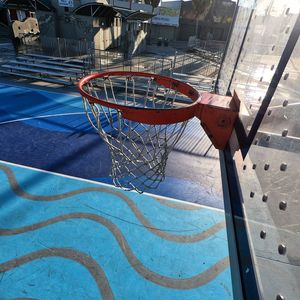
x: 269, y: 176
x: 266, y: 37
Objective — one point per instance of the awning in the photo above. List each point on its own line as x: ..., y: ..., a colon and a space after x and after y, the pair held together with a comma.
x: 98, y: 10
x: 28, y: 5
x: 133, y: 15
x: 101, y: 10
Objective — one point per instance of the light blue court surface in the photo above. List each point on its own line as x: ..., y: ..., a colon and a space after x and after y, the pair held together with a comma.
x: 65, y: 238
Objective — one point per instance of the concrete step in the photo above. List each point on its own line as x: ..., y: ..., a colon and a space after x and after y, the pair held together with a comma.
x: 48, y: 79
x: 40, y: 71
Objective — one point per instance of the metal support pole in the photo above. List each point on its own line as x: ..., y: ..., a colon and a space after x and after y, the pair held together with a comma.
x: 58, y: 46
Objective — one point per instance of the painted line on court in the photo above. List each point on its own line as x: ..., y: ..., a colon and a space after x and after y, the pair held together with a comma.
x: 81, y: 258
x: 163, y: 233
x: 195, y: 281
x: 109, y: 185
x: 41, y: 117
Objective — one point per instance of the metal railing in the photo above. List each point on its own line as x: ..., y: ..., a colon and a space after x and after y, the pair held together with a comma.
x: 96, y: 60
x: 59, y: 47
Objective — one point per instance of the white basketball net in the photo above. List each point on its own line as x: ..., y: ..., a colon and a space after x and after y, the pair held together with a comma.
x: 139, y: 152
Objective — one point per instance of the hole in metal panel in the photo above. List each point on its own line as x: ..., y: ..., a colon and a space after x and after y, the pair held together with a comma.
x: 283, y: 167
x: 284, y: 132
x: 282, y: 249
x: 283, y: 205
x: 285, y: 103
x: 263, y: 234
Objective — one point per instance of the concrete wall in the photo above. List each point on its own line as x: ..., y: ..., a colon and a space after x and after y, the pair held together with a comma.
x: 133, y: 38
x: 104, y: 33
x: 46, y: 22
x: 139, y: 40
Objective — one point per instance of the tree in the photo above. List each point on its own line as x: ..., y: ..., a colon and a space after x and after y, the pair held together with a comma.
x: 153, y: 3
x: 201, y: 8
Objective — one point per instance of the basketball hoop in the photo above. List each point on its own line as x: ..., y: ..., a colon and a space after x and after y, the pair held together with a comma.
x: 141, y: 117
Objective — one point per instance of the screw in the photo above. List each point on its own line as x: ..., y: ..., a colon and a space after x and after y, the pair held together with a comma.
x: 263, y: 234
x: 282, y: 205
x: 284, y: 132
x: 281, y: 249
x: 265, y: 198
x: 283, y: 167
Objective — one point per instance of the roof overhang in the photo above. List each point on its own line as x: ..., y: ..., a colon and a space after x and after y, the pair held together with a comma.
x: 133, y: 15
x: 94, y: 9
x: 101, y: 10
x: 28, y: 5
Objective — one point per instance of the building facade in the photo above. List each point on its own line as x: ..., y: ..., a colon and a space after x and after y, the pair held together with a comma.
x: 214, y: 26
x: 101, y: 24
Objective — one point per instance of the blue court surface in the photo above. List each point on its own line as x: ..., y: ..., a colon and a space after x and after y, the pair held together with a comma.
x: 63, y: 235
x: 65, y: 238
x: 50, y: 131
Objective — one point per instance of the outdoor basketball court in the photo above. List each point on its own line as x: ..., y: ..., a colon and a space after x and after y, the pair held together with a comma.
x: 76, y: 238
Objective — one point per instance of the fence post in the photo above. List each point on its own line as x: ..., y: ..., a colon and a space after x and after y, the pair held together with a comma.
x: 100, y: 59
x: 183, y: 60
x: 58, y: 42
x: 174, y: 62
x: 65, y: 42
x: 106, y: 59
